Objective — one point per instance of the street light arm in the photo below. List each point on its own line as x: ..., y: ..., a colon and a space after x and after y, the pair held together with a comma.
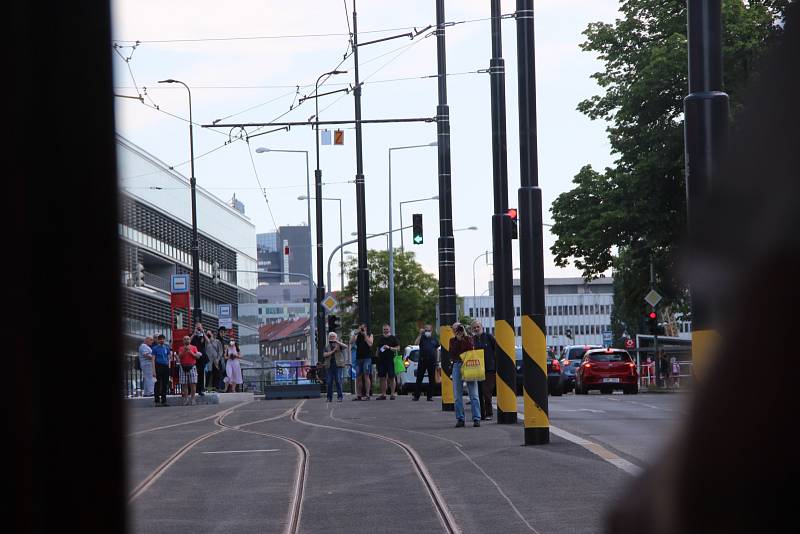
x: 342, y: 245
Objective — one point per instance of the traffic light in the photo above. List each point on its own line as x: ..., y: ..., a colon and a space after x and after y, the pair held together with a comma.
x: 333, y: 323
x: 512, y: 214
x: 652, y: 322
x: 568, y: 333
x: 417, y: 228
x: 138, y: 278
x: 215, y: 273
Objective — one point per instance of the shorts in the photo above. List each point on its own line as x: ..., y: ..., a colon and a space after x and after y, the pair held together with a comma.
x: 386, y: 367
x: 188, y: 378
x: 363, y: 366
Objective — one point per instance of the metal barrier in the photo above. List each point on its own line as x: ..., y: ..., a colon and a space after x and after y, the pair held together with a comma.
x: 649, y: 375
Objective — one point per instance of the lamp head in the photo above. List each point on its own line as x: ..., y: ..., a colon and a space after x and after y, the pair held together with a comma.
x: 170, y: 80
x: 262, y: 149
x: 302, y: 197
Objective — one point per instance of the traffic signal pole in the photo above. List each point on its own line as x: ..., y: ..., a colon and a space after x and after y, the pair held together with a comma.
x: 705, y: 135
x: 446, y: 244
x: 534, y: 345
x: 501, y: 234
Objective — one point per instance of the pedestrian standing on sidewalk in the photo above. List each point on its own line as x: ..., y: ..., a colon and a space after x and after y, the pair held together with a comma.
x: 214, y: 353
x: 146, y: 364
x: 187, y: 358
x: 461, y: 343
x: 426, y: 362
x: 161, y: 358
x: 387, y: 345
x: 232, y: 368
x: 334, y: 362
x: 363, y: 341
x: 676, y: 372
x: 199, y: 340
x: 485, y: 341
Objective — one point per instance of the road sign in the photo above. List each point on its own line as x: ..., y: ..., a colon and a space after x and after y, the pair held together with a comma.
x: 607, y: 339
x: 652, y: 298
x: 329, y: 302
x: 179, y: 283
x: 629, y: 343
x: 225, y: 314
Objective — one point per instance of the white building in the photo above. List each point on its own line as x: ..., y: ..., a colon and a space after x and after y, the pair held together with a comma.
x: 584, y: 308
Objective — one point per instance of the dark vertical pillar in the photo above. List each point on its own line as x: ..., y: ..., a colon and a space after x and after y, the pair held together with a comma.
x: 705, y: 134
x: 534, y: 346
x: 501, y: 234
x: 361, y: 210
x: 447, y: 257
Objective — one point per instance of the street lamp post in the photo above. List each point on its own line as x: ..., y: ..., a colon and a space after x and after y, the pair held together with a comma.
x: 434, y: 197
x: 341, y: 235
x: 318, y: 195
x: 486, y: 254
x: 262, y: 150
x: 391, y: 245
x: 197, y: 311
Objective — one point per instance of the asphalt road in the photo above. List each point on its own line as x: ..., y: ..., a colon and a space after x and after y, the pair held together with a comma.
x: 636, y: 427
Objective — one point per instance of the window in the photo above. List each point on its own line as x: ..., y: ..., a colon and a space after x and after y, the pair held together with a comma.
x: 518, y: 312
x: 561, y: 330
x: 471, y: 310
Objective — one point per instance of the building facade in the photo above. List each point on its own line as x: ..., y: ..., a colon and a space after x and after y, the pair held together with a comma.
x: 155, y: 243
x: 284, y: 340
x: 271, y: 248
x: 572, y: 307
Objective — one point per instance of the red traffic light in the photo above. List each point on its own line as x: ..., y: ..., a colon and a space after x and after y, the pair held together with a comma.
x: 652, y: 315
x: 512, y: 212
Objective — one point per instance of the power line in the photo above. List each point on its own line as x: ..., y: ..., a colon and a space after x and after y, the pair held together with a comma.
x: 263, y: 191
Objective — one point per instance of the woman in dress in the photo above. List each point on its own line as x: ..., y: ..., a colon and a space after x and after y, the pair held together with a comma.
x: 232, y: 368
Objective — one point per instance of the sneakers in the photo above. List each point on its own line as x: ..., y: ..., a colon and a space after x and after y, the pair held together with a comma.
x: 476, y: 423
x: 186, y: 401
x: 459, y: 423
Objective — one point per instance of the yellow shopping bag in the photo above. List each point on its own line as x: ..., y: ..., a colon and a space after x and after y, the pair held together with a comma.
x: 473, y: 368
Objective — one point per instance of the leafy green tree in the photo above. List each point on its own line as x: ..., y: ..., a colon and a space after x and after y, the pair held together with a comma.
x: 635, y: 211
x: 415, y: 294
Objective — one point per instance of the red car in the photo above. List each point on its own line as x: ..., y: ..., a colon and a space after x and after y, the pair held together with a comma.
x: 607, y: 370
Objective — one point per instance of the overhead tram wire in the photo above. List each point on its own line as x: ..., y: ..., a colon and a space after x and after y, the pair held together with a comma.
x: 263, y: 191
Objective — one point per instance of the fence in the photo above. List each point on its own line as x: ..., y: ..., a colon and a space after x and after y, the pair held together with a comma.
x: 649, y: 376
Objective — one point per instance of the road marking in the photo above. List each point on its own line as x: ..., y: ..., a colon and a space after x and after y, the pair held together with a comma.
x: 594, y: 448
x: 231, y: 452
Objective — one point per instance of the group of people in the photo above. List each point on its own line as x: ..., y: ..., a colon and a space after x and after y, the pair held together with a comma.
x: 383, y: 348
x: 204, y: 357
x: 667, y: 374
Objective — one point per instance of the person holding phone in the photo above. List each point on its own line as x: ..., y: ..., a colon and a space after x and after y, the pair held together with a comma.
x: 459, y: 345
x: 363, y: 341
x: 333, y: 363
x: 233, y: 369
x: 187, y: 370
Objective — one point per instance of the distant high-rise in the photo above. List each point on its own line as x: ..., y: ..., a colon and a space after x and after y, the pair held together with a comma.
x: 270, y: 251
x: 236, y: 204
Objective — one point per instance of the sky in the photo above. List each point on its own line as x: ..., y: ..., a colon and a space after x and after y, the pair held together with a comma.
x: 245, y: 59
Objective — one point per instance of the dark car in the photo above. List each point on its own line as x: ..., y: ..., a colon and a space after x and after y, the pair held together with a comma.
x: 553, y: 373
x: 570, y: 360
x: 607, y: 370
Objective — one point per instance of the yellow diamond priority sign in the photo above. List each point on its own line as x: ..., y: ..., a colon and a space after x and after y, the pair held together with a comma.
x: 329, y: 303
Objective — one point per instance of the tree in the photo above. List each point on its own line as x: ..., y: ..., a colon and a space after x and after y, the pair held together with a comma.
x: 415, y: 293
x: 635, y: 212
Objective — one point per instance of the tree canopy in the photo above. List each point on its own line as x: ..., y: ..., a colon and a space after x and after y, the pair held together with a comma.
x: 621, y: 217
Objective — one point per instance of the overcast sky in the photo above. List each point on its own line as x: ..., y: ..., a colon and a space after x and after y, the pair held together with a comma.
x: 229, y: 76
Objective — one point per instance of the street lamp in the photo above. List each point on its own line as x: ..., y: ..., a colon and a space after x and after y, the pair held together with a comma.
x: 486, y: 254
x: 341, y: 238
x: 318, y: 195
x: 197, y: 312
x: 465, y: 228
x: 434, y: 197
x: 391, y: 245
x: 263, y: 150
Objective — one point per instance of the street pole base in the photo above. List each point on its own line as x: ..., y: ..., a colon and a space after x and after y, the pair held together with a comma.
x: 448, y: 407
x: 506, y: 418
x: 537, y: 436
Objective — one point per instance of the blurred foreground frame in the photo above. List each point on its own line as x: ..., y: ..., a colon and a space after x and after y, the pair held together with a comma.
x: 730, y: 466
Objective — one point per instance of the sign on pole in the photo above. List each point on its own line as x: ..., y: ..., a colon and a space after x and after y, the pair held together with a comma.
x: 629, y: 343
x: 606, y: 339
x: 329, y: 303
x: 179, y: 283
x: 225, y: 314
x: 652, y: 298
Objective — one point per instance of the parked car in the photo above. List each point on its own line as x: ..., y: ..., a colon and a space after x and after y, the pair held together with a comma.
x: 607, y: 370
x: 571, y: 358
x: 408, y: 379
x: 553, y: 373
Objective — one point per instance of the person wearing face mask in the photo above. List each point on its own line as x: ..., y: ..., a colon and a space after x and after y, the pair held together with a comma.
x: 233, y: 370
x: 459, y: 345
x: 427, y: 360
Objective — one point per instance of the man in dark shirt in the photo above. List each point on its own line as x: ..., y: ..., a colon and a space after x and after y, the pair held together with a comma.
x: 427, y: 360
x: 199, y: 342
x: 363, y: 341
x: 485, y: 341
x: 387, y: 345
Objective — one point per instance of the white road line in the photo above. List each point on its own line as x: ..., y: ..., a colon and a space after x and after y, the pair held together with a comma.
x: 594, y: 448
x: 231, y: 452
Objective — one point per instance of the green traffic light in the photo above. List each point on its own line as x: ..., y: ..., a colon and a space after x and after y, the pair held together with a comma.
x: 417, y: 239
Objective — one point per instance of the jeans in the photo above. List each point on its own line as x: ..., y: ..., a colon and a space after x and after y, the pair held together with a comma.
x: 148, y: 380
x: 334, y: 374
x: 472, y: 387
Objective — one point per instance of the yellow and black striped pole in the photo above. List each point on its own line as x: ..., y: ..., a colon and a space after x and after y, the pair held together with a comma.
x: 705, y: 135
x: 445, y: 336
x: 506, y: 370
x: 531, y: 246
x: 446, y: 243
